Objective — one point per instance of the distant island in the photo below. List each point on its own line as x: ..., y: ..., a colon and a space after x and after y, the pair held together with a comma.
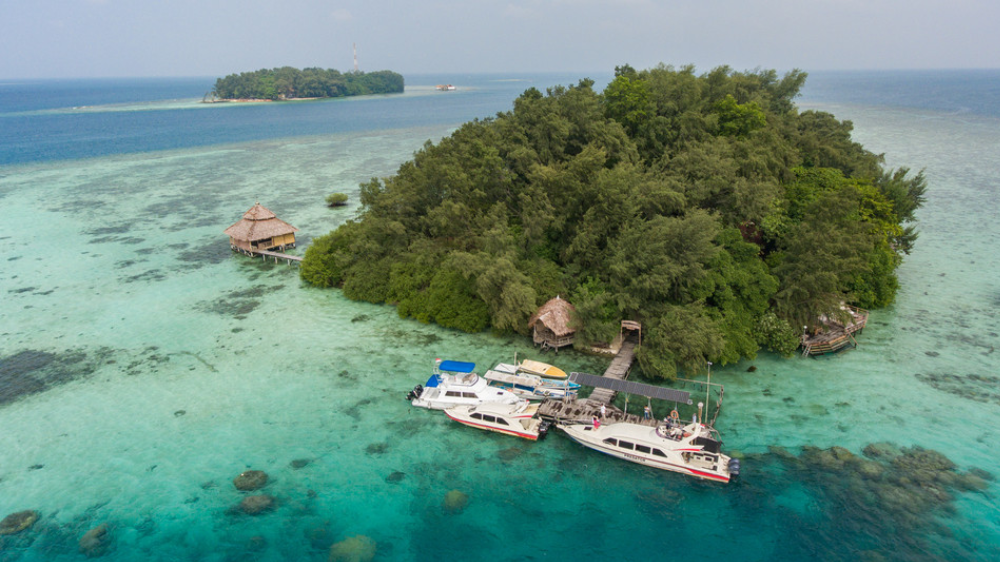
x: 287, y: 83
x: 707, y: 207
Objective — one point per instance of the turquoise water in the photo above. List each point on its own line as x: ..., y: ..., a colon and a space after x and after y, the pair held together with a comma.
x: 143, y: 365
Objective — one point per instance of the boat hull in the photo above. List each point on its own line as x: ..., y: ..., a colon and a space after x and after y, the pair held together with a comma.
x: 444, y: 391
x: 517, y: 420
x: 673, y: 457
x: 542, y: 369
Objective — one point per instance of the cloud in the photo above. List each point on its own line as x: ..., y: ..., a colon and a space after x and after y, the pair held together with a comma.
x: 518, y: 12
x: 341, y: 15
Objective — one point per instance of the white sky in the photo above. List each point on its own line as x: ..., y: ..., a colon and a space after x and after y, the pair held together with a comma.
x: 91, y: 38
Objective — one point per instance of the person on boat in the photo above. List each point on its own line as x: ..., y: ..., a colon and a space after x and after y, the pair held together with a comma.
x: 596, y: 422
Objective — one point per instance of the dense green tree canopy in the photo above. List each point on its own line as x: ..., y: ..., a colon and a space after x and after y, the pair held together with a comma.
x: 289, y: 83
x: 705, y: 206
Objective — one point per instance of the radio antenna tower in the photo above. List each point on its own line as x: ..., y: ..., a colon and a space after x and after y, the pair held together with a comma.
x: 355, y: 57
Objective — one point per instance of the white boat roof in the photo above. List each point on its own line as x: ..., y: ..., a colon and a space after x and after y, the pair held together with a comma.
x: 505, y: 368
x: 520, y: 378
x: 504, y: 408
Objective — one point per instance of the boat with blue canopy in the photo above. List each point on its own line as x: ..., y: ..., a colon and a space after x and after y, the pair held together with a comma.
x: 454, y: 383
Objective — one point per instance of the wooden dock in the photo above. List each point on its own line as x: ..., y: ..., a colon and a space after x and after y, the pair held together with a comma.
x: 835, y: 333
x: 264, y: 254
x: 583, y: 410
x: 619, y: 369
x: 276, y: 255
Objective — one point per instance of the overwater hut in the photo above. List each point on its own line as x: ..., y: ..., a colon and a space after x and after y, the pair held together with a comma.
x: 550, y: 324
x: 260, y: 229
x: 835, y: 331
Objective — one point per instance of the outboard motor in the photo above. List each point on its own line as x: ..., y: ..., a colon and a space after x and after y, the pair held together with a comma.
x: 415, y: 393
x: 734, y: 467
x: 543, y: 429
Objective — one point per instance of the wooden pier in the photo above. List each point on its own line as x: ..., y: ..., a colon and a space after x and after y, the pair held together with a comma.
x: 276, y: 255
x: 835, y: 333
x: 264, y: 254
x: 619, y: 369
x: 584, y: 410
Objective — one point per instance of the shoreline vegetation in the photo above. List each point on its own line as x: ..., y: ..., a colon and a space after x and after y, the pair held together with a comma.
x: 707, y: 207
x: 291, y: 84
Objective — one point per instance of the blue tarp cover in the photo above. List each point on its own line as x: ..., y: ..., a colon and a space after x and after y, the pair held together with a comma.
x: 456, y: 366
x: 432, y: 382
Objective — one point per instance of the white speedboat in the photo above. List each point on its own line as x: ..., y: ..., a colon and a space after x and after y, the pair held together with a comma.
x: 454, y: 384
x: 692, y: 449
x: 510, y: 377
x: 513, y: 419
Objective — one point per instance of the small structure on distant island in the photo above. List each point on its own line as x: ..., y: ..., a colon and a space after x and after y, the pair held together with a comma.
x: 260, y: 230
x: 550, y: 324
x: 445, y: 87
x: 834, y: 332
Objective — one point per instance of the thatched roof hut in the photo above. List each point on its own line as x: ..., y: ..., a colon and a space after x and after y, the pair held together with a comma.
x: 260, y: 229
x: 550, y: 324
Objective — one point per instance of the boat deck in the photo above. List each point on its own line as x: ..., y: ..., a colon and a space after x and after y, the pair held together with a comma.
x: 835, y: 335
x: 584, y: 410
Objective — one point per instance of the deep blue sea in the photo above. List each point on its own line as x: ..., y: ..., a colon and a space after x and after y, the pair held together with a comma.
x: 143, y: 365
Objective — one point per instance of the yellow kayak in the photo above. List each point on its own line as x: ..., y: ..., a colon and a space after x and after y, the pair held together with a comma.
x: 545, y: 370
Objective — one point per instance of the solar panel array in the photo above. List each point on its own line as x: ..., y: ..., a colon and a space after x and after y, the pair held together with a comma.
x: 627, y: 387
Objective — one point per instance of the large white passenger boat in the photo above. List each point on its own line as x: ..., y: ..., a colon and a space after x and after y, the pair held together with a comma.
x: 454, y: 384
x: 692, y: 449
x: 510, y: 377
x: 513, y: 419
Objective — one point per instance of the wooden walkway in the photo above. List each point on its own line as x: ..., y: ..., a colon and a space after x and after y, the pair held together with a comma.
x: 835, y: 334
x: 264, y: 254
x: 619, y: 369
x: 583, y: 410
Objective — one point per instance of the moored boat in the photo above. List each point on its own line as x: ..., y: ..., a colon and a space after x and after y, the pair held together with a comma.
x: 530, y: 386
x: 693, y: 449
x: 532, y: 367
x: 512, y: 419
x: 454, y: 383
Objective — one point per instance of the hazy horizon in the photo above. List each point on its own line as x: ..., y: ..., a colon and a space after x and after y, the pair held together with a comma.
x: 184, y: 38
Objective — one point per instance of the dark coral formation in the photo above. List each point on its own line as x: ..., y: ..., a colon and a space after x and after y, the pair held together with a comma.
x: 890, y: 499
x: 239, y: 304
x: 980, y: 388
x: 455, y: 501
x: 255, y: 505
x: 96, y: 542
x: 31, y: 371
x: 17, y: 522
x: 250, y: 480
x: 353, y: 549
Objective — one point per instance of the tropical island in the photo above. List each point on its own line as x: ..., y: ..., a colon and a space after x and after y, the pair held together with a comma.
x: 707, y: 207
x: 287, y: 83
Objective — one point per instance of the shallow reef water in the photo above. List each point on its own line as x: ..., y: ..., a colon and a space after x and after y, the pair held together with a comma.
x: 144, y: 365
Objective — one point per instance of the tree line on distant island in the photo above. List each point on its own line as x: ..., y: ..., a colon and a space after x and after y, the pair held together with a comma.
x: 708, y: 207
x: 289, y: 83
